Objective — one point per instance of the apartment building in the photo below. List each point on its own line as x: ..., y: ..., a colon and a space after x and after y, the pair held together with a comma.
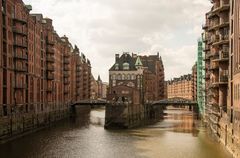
x: 181, y: 87
x: 217, y: 62
x: 41, y: 74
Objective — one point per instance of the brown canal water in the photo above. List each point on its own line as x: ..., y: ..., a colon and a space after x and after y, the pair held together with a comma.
x: 179, y: 135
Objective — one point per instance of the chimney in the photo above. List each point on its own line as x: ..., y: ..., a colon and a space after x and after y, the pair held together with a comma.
x: 116, y: 58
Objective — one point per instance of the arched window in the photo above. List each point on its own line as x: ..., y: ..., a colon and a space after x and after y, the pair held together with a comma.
x: 116, y: 66
x: 125, y: 66
x: 119, y: 77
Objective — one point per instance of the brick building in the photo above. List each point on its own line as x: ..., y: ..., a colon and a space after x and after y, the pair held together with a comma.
x: 98, y: 88
x: 151, y: 75
x: 39, y: 71
x: 181, y: 87
x: 217, y: 63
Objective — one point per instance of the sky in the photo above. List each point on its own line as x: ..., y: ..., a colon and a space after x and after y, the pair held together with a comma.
x: 103, y: 28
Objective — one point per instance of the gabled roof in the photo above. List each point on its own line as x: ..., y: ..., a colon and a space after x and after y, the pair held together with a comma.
x: 125, y: 58
x: 138, y: 62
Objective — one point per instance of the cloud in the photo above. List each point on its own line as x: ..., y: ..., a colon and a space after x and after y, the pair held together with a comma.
x: 102, y: 28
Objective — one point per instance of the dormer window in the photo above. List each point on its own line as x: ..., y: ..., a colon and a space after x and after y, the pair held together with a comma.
x: 125, y: 66
x: 116, y: 66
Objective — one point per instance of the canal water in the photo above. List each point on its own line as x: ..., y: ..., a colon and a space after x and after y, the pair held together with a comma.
x: 179, y: 135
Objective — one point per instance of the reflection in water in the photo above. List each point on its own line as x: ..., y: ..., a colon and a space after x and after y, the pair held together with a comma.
x: 179, y: 135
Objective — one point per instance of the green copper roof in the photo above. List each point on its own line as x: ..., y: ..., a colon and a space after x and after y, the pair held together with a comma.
x: 138, y: 62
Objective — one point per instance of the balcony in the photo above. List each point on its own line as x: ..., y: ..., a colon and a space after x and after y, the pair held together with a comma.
x: 50, y: 68
x: 214, y: 66
x: 21, y: 69
x: 50, y: 42
x: 225, y: 6
x: 66, y: 82
x: 224, y: 22
x: 22, y: 44
x: 223, y: 39
x: 50, y: 50
x: 224, y: 55
x: 66, y: 68
x: 66, y: 55
x: 214, y: 25
x: 50, y: 59
x: 66, y: 61
x: 19, y: 31
x: 66, y: 74
x: 20, y: 57
x: 223, y: 77
x: 49, y: 89
x: 20, y: 86
x: 50, y: 76
x: 20, y: 20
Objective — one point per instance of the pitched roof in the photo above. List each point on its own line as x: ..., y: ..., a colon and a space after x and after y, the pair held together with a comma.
x: 125, y: 58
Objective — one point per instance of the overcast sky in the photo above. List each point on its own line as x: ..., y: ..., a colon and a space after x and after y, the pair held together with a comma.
x: 102, y: 28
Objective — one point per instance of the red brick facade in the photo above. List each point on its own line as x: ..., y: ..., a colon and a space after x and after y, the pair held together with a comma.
x: 40, y: 73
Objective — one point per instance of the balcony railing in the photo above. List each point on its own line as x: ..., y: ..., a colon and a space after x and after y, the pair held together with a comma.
x: 21, y: 68
x: 225, y: 3
x: 214, y: 24
x: 223, y: 76
x: 66, y: 55
x: 66, y: 74
x: 66, y: 61
x: 17, y: 30
x: 18, y: 19
x: 22, y: 44
x: 224, y: 55
x: 224, y: 21
x: 66, y: 82
x: 50, y: 68
x: 50, y: 76
x: 50, y: 50
x: 50, y: 59
x: 50, y: 41
x: 20, y: 56
x: 66, y: 68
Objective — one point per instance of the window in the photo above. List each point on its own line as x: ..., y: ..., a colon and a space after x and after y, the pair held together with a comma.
x: 119, y: 77
x: 4, y: 110
x: 126, y: 66
x: 116, y: 66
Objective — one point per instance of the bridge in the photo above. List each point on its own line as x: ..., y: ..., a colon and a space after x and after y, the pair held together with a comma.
x: 180, y: 102
x: 175, y: 101
x: 91, y: 102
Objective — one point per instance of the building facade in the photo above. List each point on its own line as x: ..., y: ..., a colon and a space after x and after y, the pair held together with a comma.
x: 134, y: 81
x: 217, y: 63
x: 37, y: 71
x: 230, y: 122
x: 181, y: 87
